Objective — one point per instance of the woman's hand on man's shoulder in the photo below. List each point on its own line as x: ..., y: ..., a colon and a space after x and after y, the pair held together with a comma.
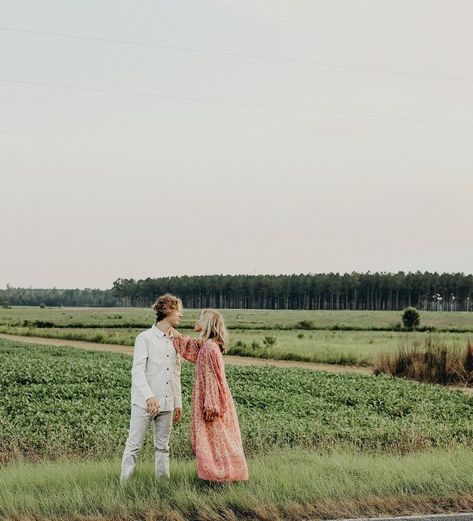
x: 175, y: 333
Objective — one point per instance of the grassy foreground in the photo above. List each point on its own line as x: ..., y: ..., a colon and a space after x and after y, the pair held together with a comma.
x: 283, y: 485
x: 319, y: 445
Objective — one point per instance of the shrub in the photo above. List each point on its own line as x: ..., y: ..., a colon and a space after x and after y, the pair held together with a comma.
x: 43, y: 323
x: 269, y: 341
x: 410, y: 318
x: 305, y: 324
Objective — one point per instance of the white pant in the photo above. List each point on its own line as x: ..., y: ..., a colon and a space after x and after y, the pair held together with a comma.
x: 139, y: 424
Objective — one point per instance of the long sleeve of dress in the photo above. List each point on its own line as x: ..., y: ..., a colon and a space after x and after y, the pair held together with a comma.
x: 187, y: 347
x: 215, y: 395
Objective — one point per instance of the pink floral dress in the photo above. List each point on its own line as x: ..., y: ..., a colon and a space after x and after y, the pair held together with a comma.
x: 216, y: 444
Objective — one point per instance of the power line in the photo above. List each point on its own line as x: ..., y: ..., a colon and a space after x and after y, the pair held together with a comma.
x: 229, y: 102
x: 238, y: 55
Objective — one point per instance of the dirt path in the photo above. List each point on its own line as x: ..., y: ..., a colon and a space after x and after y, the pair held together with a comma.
x: 229, y: 359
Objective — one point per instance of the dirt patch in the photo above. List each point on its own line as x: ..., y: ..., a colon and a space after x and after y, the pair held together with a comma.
x: 229, y: 359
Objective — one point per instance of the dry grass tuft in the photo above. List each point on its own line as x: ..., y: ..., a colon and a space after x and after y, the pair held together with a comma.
x: 432, y: 363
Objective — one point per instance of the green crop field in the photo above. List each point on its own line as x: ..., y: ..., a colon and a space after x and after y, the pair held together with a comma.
x: 61, y: 402
x: 317, y: 443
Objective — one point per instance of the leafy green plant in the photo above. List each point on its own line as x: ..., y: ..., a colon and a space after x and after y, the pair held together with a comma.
x: 411, y: 318
x: 305, y: 324
x: 269, y: 341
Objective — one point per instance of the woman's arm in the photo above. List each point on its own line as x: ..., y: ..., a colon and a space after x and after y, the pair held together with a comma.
x: 187, y: 347
x: 215, y: 399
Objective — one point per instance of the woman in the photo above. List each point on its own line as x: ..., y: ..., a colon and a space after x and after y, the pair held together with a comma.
x: 216, y: 439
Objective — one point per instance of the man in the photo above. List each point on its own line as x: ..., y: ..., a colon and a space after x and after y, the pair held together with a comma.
x: 155, y: 387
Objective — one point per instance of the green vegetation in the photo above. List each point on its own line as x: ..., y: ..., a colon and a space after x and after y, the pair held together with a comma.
x: 57, y: 402
x: 283, y: 485
x: 318, y: 444
x: 361, y: 348
x: 235, y: 319
x: 360, y: 291
x: 369, y: 291
x: 411, y: 318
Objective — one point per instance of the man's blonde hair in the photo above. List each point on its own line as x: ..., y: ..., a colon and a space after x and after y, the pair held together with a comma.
x: 165, y: 304
x: 213, y: 327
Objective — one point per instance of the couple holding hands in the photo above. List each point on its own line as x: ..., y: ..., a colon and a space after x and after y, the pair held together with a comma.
x: 156, y: 395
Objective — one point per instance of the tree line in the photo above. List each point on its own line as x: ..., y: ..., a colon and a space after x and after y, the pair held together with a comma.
x: 58, y: 297
x: 331, y: 291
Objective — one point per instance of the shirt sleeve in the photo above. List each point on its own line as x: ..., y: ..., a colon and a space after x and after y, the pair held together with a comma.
x: 187, y: 347
x: 138, y: 375
x: 215, y: 395
x: 177, y: 383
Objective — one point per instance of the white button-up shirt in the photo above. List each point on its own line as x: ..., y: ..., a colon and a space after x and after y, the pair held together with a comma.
x: 156, y: 370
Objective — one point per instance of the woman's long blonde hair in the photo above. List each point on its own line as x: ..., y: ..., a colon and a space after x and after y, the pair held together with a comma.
x: 213, y: 327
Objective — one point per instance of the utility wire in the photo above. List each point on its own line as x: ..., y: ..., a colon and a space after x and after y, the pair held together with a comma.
x: 229, y: 102
x: 238, y: 55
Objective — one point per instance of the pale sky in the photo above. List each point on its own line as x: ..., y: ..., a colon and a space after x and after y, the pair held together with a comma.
x: 97, y: 185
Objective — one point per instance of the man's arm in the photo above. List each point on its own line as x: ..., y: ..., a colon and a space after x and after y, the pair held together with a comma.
x: 140, y: 357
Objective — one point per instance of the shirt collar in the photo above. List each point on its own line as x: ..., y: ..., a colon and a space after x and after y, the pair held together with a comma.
x: 159, y: 333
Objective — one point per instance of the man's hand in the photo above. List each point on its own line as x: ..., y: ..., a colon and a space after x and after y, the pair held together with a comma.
x: 209, y: 415
x: 177, y: 415
x: 152, y: 406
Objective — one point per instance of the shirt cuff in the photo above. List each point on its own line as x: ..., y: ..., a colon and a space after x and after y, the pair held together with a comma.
x: 148, y: 396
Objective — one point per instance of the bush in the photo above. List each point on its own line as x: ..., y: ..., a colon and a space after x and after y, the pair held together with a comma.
x: 269, y: 341
x: 305, y: 324
x: 410, y: 318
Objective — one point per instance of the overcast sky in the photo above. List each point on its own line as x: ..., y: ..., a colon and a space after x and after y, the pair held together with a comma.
x: 375, y: 172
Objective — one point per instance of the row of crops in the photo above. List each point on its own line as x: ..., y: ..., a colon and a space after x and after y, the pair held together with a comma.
x: 57, y: 401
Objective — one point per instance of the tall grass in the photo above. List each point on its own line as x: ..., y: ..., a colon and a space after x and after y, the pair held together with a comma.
x: 285, y: 484
x: 435, y: 362
x: 314, y: 355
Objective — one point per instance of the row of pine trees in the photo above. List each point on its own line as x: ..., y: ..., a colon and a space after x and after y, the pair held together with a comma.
x: 357, y: 291
x: 330, y: 291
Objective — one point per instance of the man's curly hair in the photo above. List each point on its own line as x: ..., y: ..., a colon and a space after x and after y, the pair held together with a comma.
x: 165, y: 304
